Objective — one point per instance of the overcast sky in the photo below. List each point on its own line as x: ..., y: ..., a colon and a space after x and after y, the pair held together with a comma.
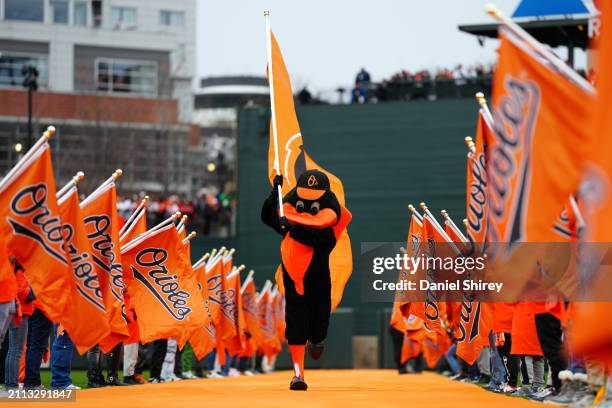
x: 325, y: 42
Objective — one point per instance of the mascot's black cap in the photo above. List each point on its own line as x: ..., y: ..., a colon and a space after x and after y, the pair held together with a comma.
x: 312, y: 184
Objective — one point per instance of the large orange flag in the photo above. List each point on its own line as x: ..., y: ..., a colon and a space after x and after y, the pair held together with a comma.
x: 102, y: 227
x: 476, y: 189
x: 293, y: 160
x: 31, y: 226
x: 251, y: 310
x: 538, y: 145
x: 85, y: 317
x: 271, y: 344
x: 165, y: 305
x: 592, y: 334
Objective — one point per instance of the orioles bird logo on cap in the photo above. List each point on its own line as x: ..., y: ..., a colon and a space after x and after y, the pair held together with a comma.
x: 312, y: 181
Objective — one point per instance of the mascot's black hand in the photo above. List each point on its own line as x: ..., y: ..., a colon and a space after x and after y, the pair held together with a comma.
x: 278, y: 181
x: 285, y: 224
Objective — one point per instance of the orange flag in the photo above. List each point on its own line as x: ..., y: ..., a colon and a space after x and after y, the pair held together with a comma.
x: 293, y: 160
x: 135, y: 225
x: 8, y: 283
x: 475, y: 323
x: 203, y: 340
x: 414, y: 335
x: 251, y: 311
x: 278, y: 303
x: 232, y: 314
x: 591, y: 336
x: 31, y: 226
x: 214, y: 286
x: 538, y: 147
x: 102, y: 227
x: 271, y: 344
x: 165, y: 304
x: 414, y: 248
x: 476, y: 198
x: 85, y: 317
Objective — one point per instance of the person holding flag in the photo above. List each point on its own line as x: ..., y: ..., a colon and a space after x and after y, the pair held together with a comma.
x: 311, y: 218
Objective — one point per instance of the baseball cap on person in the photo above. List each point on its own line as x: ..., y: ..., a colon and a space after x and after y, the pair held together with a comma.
x: 312, y: 184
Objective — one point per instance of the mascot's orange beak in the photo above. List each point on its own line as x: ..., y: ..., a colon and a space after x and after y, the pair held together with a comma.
x: 324, y: 218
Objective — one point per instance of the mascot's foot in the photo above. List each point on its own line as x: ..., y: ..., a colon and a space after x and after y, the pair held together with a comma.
x: 298, y: 384
x: 315, y: 350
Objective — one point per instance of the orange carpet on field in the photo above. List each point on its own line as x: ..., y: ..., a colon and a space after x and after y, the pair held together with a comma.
x: 327, y: 388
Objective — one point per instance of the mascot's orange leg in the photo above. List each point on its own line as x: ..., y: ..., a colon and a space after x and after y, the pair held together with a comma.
x: 297, y: 355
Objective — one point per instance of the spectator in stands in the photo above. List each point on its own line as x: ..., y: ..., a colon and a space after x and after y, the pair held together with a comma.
x: 362, y: 83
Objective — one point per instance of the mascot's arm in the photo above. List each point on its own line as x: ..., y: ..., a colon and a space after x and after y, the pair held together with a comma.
x: 321, y: 238
x: 269, y: 210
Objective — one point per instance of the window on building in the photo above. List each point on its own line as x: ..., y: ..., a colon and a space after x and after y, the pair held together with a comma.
x: 80, y: 13
x: 123, y: 17
x: 169, y: 18
x: 11, y: 66
x: 59, y: 11
x: 122, y: 76
x: 96, y: 11
x: 26, y: 10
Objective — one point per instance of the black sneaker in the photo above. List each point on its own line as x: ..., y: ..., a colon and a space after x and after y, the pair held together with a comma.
x: 298, y: 384
x: 315, y: 350
x: 114, y: 381
x: 130, y: 380
x: 96, y: 382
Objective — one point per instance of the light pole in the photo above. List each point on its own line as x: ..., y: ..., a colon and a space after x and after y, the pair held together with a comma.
x: 30, y: 81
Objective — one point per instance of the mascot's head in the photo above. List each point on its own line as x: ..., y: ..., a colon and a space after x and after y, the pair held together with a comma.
x: 311, y: 202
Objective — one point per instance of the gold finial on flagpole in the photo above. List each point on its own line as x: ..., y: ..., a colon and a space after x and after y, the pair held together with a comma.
x: 465, y: 222
x: 49, y: 133
x: 118, y: 173
x: 444, y: 214
x: 184, y: 218
x: 213, y: 253
x: 241, y: 268
x: 146, y: 199
x: 468, y: 140
x: 78, y: 177
x: 411, y: 208
x: 423, y: 206
x: 176, y: 215
x: 492, y: 10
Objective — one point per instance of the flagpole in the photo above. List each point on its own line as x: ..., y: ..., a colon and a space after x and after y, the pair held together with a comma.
x: 265, y: 288
x: 470, y: 145
x: 246, y: 281
x: 482, y: 102
x: 168, y: 221
x: 273, y: 109
x: 201, y: 261
x: 558, y: 63
x: 48, y: 134
x: 73, y: 182
x: 415, y: 212
x: 452, y: 225
x: 181, y: 223
x: 439, y: 228
x: 189, y: 237
x: 134, y: 215
x: 114, y: 177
